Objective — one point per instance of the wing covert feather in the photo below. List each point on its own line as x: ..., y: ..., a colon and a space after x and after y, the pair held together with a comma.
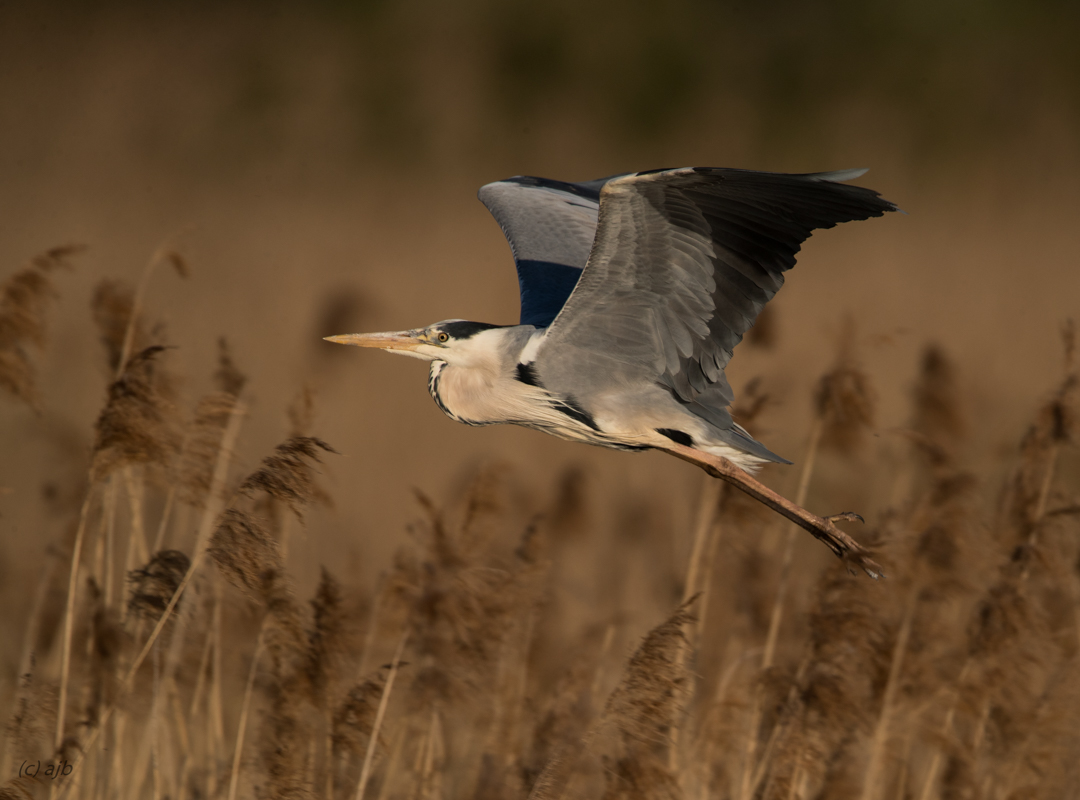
x: 681, y: 264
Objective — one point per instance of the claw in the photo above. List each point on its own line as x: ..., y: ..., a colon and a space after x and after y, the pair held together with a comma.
x: 846, y: 516
x: 869, y: 567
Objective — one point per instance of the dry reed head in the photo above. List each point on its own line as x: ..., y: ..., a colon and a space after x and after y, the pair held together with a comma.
x: 202, y: 441
x: 1013, y: 662
x: 832, y: 700
x: 27, y: 735
x: 459, y: 621
x: 465, y: 600
x: 442, y: 546
x: 24, y: 299
x: 999, y: 619
x: 301, y: 412
x: 640, y: 777
x: 284, y: 742
x: 227, y: 377
x: 250, y: 558
x: 1020, y: 640
x: 844, y: 400
x: 327, y: 639
x: 354, y: 718
x: 845, y: 405
x: 644, y: 704
x: 484, y: 506
x: 1024, y: 499
x: 752, y: 401
x: 1058, y: 418
x: 153, y: 586
x: 937, y: 412
x: 137, y: 425
x: 176, y: 260
x: 643, y: 709
x: 1020, y: 636
x: 22, y: 788
x: 112, y: 306
x: 106, y: 644
x: 287, y: 475
x: 1043, y: 764
x: 246, y: 552
x: 944, y: 527
x: 559, y: 727
x: 498, y: 780
x: 567, y: 516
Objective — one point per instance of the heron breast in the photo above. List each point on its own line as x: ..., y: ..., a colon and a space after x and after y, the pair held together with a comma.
x: 473, y: 395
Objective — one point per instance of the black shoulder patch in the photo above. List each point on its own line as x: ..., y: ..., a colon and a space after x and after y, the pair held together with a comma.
x: 526, y: 373
x: 463, y: 329
x: 685, y: 439
x: 570, y: 407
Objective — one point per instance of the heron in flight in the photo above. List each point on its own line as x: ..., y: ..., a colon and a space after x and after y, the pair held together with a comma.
x: 635, y: 289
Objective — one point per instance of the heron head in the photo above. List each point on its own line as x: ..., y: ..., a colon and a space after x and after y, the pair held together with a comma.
x: 438, y: 342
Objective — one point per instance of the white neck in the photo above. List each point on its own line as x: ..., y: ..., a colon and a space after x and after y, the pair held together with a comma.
x: 476, y: 384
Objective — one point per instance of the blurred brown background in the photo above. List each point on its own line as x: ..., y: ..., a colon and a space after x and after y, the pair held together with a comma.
x: 317, y: 165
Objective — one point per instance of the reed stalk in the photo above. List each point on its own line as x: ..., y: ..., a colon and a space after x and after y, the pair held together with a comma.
x: 245, y: 709
x: 380, y: 715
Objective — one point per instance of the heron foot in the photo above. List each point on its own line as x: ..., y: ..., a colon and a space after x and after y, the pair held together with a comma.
x: 822, y: 528
x: 845, y: 516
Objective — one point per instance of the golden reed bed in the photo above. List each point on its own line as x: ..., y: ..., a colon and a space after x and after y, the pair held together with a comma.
x: 167, y: 655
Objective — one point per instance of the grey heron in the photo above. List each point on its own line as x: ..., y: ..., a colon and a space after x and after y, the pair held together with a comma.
x: 635, y: 289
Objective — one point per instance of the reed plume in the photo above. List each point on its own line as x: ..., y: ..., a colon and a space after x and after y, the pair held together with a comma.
x: 643, y: 708
x: 460, y: 614
x: 938, y: 417
x: 194, y: 473
x: 831, y: 699
x: 354, y: 718
x: 138, y: 424
x: 329, y: 640
x: 301, y: 412
x: 113, y: 308
x: 228, y: 378
x: 250, y: 558
x: 843, y: 398
x: 24, y: 300
x: 153, y: 586
x: 287, y: 476
x: 644, y: 705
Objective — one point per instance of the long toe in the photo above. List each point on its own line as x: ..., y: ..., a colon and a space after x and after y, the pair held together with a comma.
x: 856, y: 556
x: 846, y: 516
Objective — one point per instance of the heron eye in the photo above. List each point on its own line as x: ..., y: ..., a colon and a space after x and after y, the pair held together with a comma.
x: 443, y: 337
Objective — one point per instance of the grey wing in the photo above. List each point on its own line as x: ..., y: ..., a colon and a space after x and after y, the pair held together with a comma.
x: 682, y: 263
x: 550, y: 226
x: 545, y: 220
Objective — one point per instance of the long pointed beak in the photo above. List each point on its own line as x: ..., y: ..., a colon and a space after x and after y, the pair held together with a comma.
x: 392, y: 340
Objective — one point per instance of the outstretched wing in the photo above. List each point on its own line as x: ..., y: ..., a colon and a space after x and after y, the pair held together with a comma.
x: 682, y: 263
x: 550, y: 226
